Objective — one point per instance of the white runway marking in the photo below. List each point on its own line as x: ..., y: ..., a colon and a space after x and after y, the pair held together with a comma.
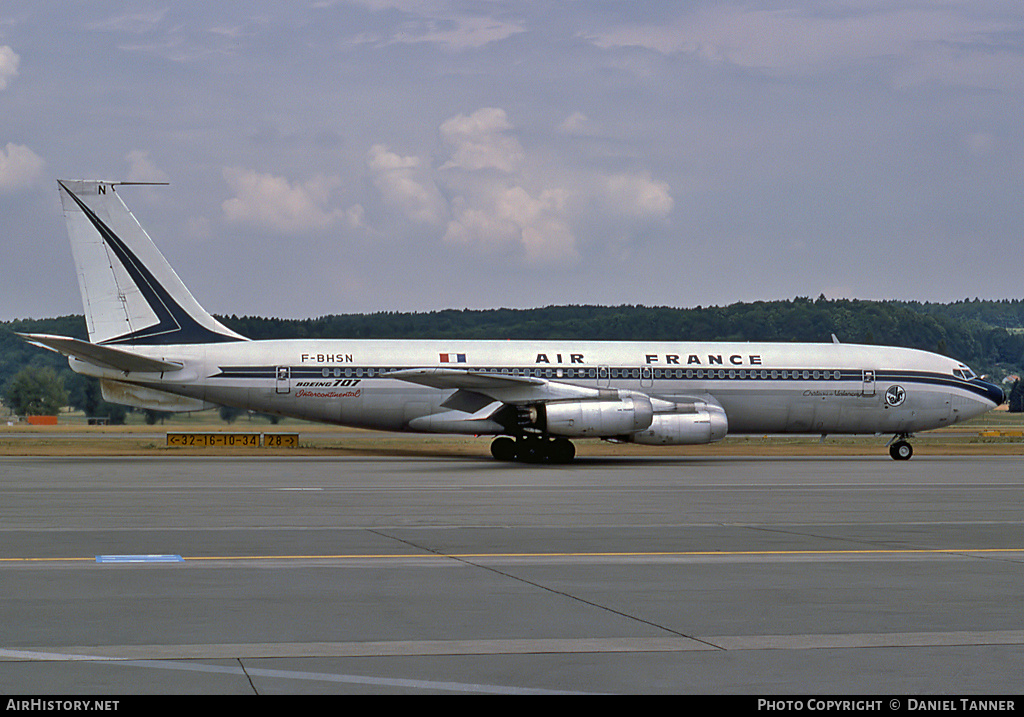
x: 139, y: 559
x: 425, y: 648
x: 250, y: 672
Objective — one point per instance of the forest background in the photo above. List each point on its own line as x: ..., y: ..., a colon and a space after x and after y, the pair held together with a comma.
x: 986, y: 335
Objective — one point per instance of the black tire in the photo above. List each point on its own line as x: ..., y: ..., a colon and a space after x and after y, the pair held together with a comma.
x: 901, y: 451
x: 561, y: 450
x: 531, y: 450
x: 504, y: 449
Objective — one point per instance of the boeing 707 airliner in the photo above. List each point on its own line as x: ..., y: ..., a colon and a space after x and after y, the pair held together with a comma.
x: 153, y: 346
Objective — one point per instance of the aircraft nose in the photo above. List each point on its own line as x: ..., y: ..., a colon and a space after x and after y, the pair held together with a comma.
x: 992, y: 392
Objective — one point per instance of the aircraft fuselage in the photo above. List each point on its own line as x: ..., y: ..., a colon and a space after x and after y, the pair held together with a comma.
x: 763, y: 388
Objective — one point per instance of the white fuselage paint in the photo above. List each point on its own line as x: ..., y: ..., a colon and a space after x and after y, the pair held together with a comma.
x: 763, y: 387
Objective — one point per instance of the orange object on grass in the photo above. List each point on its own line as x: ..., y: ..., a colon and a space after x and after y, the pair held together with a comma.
x: 41, y: 420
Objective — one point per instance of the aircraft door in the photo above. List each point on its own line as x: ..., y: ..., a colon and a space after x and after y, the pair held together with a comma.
x: 283, y: 382
x: 867, y: 387
x: 646, y: 377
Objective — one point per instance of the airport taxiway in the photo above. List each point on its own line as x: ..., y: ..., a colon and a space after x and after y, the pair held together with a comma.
x: 288, y: 575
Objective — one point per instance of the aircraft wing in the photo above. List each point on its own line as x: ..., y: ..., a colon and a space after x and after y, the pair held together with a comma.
x: 103, y: 356
x: 477, y: 389
x: 500, y: 387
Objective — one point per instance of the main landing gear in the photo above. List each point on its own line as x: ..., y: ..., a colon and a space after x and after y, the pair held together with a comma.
x: 533, y: 449
x: 900, y: 449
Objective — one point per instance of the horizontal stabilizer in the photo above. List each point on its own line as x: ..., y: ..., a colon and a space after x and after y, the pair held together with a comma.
x: 102, y: 356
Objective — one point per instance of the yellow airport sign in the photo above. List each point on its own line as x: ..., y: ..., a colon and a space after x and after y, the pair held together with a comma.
x: 232, y: 440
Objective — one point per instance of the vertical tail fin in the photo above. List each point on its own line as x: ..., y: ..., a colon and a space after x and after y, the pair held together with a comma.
x: 130, y: 293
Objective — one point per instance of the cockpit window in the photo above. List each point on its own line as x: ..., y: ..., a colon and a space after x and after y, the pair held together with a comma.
x: 964, y: 373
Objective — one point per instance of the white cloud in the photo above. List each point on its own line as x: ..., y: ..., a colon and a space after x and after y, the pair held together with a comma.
x: 275, y: 203
x: 927, y: 41
x: 961, y: 64
x: 8, y: 65
x: 405, y: 183
x: 459, y: 33
x: 19, y: 167
x: 492, y: 197
x: 142, y: 169
x: 436, y: 23
x: 578, y: 125
x: 637, y: 195
x: 355, y: 216
x: 511, y: 220
x: 480, y: 141
x: 492, y: 210
x: 133, y: 23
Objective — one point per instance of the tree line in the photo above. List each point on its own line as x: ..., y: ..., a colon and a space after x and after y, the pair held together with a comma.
x: 986, y: 335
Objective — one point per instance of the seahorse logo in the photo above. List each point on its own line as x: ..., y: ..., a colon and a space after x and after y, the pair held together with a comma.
x: 895, y: 396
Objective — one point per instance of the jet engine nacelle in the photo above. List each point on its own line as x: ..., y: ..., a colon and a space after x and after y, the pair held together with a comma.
x: 599, y: 419
x: 707, y: 424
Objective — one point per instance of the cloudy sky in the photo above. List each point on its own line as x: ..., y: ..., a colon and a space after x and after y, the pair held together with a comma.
x: 411, y: 155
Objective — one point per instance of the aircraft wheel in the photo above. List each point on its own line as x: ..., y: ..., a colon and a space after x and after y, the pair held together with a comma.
x: 503, y: 449
x: 561, y: 450
x: 531, y: 450
x: 901, y: 451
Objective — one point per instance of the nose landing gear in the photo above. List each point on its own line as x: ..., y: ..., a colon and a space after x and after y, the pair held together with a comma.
x: 900, y: 449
